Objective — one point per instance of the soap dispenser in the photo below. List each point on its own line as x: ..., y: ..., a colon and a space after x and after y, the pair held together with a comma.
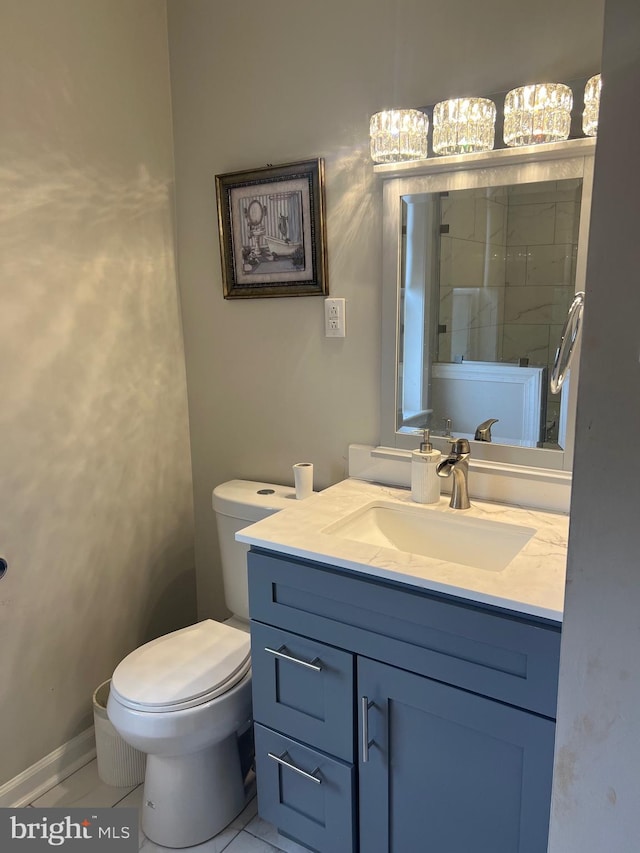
x: 425, y: 483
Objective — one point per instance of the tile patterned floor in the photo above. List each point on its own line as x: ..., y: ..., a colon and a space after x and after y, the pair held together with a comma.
x: 248, y: 833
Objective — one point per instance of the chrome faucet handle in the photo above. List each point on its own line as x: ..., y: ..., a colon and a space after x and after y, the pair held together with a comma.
x: 483, y: 430
x: 456, y: 465
x: 459, y: 446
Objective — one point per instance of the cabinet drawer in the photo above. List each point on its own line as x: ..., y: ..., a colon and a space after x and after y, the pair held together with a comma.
x: 506, y: 657
x: 304, y: 688
x: 306, y: 794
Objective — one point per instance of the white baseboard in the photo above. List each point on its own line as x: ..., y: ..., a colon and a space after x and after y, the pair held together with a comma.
x: 49, y: 771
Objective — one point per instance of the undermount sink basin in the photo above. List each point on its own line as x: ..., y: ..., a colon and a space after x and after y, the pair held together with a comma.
x: 476, y: 542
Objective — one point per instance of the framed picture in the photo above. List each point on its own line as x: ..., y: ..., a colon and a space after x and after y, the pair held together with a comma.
x: 272, y: 231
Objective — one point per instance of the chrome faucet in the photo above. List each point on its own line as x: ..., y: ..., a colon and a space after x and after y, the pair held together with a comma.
x: 457, y: 464
x: 483, y: 430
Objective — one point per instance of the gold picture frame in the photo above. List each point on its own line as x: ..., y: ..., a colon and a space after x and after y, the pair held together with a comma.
x: 271, y: 223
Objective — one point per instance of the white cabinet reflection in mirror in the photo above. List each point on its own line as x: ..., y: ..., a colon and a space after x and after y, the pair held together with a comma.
x: 474, y: 391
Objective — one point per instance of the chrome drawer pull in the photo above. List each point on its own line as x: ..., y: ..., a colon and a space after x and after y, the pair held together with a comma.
x: 365, y: 704
x: 281, y: 760
x: 280, y: 653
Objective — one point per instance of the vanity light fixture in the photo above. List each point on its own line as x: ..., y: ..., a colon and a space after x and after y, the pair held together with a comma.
x: 537, y: 113
x: 591, y: 105
x: 464, y: 126
x: 398, y: 136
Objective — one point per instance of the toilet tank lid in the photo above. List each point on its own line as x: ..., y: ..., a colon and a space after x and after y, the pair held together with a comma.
x: 183, y: 666
x: 248, y: 500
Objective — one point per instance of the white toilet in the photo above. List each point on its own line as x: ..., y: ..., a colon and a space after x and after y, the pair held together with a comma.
x: 185, y: 698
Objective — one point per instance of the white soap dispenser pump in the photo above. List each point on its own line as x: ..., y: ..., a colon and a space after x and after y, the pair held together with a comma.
x: 425, y: 483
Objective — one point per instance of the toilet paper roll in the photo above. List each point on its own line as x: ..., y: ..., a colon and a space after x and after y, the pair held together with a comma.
x: 303, y: 478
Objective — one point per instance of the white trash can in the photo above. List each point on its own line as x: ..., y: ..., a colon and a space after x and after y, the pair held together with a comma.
x: 119, y: 764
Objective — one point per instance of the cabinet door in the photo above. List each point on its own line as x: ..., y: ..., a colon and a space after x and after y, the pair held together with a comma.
x: 449, y: 771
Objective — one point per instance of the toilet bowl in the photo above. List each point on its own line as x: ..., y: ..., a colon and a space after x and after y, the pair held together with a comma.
x: 184, y: 699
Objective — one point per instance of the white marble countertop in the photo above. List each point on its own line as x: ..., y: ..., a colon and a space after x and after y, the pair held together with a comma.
x: 532, y: 583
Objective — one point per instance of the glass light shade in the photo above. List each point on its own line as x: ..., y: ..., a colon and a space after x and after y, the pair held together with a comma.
x: 464, y: 126
x: 591, y: 105
x: 538, y: 113
x: 398, y: 136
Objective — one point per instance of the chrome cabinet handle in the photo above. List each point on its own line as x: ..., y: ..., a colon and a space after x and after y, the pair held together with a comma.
x: 280, y: 653
x: 365, y: 704
x: 280, y: 759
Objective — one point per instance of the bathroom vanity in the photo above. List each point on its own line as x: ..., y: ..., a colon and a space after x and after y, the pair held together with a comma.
x: 405, y: 701
x: 405, y: 657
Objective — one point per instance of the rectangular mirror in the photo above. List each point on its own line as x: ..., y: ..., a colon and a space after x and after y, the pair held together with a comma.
x: 480, y: 268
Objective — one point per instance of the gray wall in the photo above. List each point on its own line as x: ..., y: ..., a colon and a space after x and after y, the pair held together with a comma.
x: 257, y: 83
x: 96, y: 502
x: 595, y: 802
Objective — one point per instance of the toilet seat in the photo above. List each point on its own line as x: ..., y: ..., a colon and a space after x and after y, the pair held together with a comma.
x: 183, y: 669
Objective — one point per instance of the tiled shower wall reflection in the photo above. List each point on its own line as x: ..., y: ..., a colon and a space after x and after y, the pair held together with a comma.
x: 507, y: 273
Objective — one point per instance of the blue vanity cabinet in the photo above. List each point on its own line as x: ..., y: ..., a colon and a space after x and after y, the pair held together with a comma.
x: 425, y: 722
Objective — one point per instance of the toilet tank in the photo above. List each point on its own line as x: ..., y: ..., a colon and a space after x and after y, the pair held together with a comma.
x: 237, y: 504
